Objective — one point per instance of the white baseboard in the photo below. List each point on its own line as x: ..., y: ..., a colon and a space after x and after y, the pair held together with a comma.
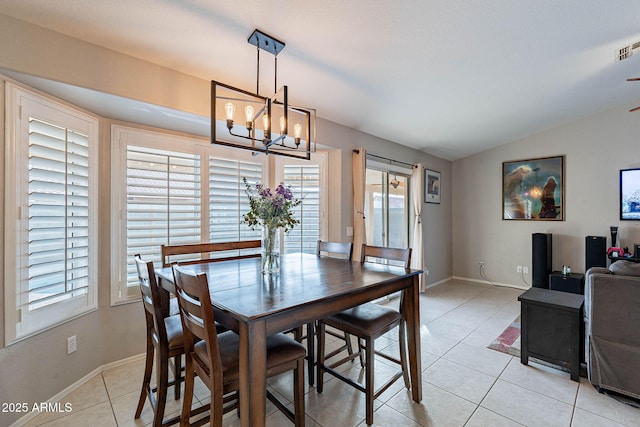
x: 439, y: 282
x: 59, y: 396
x: 508, y: 285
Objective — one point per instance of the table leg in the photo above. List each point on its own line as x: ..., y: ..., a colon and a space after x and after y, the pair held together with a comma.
x: 253, y: 373
x: 412, y: 314
x: 311, y: 352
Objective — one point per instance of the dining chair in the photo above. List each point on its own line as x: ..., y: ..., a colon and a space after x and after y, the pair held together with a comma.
x: 165, y: 339
x: 215, y: 358
x: 203, y: 250
x: 368, y: 322
x: 332, y: 250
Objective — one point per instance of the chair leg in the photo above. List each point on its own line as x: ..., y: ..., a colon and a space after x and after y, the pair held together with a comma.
x: 369, y: 383
x: 177, y: 376
x: 162, y: 382
x: 347, y: 339
x: 361, y: 353
x: 403, y: 354
x: 188, y: 392
x: 217, y: 408
x: 319, y: 371
x: 146, y: 380
x: 297, y: 334
x: 298, y: 392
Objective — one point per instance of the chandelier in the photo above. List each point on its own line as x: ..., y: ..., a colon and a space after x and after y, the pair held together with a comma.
x: 268, y: 125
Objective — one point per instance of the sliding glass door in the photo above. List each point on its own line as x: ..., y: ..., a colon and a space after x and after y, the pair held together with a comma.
x: 387, y: 208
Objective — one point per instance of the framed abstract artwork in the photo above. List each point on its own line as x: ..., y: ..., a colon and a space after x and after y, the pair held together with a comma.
x: 431, y: 186
x: 533, y: 189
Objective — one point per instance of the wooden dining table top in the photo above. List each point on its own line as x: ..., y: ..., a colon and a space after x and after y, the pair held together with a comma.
x: 239, y: 287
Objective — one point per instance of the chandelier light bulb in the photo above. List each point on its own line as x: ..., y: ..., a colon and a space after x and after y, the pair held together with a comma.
x: 229, y: 110
x: 248, y: 112
x: 267, y: 126
x: 283, y: 126
x: 297, y: 132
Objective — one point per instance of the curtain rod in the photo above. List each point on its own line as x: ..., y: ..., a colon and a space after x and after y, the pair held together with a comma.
x: 387, y: 159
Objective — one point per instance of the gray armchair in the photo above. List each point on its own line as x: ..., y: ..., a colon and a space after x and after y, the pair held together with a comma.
x: 612, y: 327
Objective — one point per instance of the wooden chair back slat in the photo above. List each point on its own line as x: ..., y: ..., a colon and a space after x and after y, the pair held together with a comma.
x: 150, y: 295
x: 391, y: 254
x: 197, y: 316
x: 335, y: 248
x: 207, y: 248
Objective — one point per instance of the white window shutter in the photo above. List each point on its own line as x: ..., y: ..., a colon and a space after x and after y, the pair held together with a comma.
x: 51, y: 179
x: 163, y: 195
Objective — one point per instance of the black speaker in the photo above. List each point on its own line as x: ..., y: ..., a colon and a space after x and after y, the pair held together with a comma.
x: 540, y: 259
x: 595, y: 252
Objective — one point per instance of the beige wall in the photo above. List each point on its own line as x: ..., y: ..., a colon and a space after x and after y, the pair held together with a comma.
x: 596, y: 148
x: 37, y: 368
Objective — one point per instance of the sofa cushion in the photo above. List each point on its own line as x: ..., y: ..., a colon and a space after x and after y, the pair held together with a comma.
x: 625, y: 268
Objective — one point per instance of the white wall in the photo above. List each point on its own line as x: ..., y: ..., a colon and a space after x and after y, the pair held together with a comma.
x: 596, y: 148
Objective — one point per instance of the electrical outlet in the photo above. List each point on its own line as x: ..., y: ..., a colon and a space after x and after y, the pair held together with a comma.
x: 481, y: 264
x: 349, y: 231
x: 519, y: 269
x: 525, y: 270
x: 72, y: 344
x: 426, y: 272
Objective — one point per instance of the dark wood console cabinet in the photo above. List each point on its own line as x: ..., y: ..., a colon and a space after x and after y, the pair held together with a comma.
x: 552, y: 328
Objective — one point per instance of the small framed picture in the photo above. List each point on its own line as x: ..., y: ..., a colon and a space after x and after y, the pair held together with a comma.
x: 431, y: 186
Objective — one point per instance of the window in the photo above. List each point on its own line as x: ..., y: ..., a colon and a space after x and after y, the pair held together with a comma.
x: 163, y: 203
x: 228, y: 199
x: 387, y: 205
x: 163, y: 199
x: 51, y: 179
x: 307, y: 180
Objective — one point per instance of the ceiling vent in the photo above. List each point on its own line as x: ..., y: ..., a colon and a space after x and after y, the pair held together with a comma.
x: 628, y: 51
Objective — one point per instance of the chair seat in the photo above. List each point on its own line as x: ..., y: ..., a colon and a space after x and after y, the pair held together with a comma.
x: 173, y: 324
x: 280, y: 350
x: 367, y: 319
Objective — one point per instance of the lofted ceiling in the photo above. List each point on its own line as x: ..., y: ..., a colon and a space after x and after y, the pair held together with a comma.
x: 449, y: 77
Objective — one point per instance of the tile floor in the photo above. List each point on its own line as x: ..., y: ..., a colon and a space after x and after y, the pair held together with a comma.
x: 464, y: 383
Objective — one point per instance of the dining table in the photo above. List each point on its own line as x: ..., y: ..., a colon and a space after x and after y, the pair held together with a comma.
x: 307, y: 288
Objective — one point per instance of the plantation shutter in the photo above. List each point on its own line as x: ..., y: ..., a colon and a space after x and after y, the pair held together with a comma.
x: 228, y: 201
x: 58, y: 214
x: 304, y: 181
x: 163, y: 203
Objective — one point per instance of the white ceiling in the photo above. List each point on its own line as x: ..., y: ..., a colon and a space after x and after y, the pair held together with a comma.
x: 449, y: 77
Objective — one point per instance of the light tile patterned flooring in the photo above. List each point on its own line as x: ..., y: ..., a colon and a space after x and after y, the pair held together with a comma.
x: 464, y: 383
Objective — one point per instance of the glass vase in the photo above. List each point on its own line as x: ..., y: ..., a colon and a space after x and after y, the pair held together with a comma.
x: 270, y: 254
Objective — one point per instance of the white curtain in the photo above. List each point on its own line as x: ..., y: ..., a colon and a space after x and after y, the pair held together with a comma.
x: 417, y: 252
x: 359, y: 165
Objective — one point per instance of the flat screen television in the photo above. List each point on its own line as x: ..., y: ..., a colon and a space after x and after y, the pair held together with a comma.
x: 630, y: 194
